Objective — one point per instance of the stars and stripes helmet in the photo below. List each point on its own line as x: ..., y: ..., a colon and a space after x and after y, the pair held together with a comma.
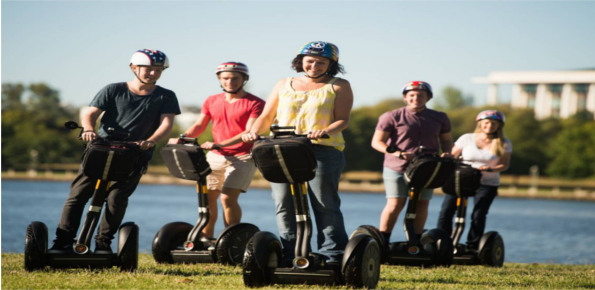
x: 417, y: 85
x: 492, y: 115
x: 150, y: 57
x: 233, y: 66
x: 320, y: 48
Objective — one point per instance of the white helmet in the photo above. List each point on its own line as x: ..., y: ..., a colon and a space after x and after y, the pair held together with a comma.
x: 149, y: 57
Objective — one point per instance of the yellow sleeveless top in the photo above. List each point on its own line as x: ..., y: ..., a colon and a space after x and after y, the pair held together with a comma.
x: 307, y: 111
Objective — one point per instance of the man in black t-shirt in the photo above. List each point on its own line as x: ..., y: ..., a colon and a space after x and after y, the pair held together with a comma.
x: 138, y: 107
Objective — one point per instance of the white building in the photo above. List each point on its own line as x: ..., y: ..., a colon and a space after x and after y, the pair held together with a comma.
x: 550, y: 93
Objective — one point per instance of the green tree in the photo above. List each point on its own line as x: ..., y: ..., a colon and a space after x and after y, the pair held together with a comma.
x: 359, y: 153
x: 451, y: 98
x: 571, y: 152
x: 11, y: 96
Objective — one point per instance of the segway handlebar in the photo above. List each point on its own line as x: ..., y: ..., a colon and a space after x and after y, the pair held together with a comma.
x: 193, y: 141
x: 286, y: 131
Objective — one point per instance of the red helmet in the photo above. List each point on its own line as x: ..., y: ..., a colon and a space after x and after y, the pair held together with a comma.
x: 232, y: 66
x: 417, y: 85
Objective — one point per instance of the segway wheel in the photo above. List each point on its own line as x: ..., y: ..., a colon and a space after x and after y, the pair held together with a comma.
x: 492, y: 253
x: 373, y: 232
x: 232, y: 244
x: 439, y: 243
x: 128, y: 247
x: 362, y: 270
x: 169, y: 238
x: 253, y: 274
x: 36, y: 243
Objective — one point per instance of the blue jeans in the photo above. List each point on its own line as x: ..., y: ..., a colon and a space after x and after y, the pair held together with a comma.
x: 482, y: 201
x: 323, y: 192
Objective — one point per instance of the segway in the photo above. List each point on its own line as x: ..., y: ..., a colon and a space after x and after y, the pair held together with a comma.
x: 286, y: 157
x: 434, y: 247
x: 180, y: 242
x: 464, y: 184
x: 109, y: 159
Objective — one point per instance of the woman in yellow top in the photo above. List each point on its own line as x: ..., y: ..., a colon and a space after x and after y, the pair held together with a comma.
x: 316, y: 103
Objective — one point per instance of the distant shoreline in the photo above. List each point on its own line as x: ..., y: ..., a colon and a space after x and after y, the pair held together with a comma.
x: 345, y: 186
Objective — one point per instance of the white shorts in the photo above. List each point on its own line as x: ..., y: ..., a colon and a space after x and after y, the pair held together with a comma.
x: 234, y: 172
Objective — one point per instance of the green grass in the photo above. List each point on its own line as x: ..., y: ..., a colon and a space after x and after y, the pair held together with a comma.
x: 212, y: 276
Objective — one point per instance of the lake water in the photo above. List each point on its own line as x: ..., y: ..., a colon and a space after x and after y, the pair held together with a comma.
x: 534, y: 231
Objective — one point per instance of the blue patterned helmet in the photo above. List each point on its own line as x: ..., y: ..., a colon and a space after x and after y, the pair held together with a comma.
x: 492, y: 115
x: 320, y: 48
x: 417, y: 85
x: 150, y: 57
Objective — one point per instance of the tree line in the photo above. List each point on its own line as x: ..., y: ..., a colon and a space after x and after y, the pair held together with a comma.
x: 33, y: 133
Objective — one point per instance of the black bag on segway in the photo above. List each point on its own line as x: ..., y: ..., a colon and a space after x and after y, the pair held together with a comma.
x: 186, y: 161
x: 464, y: 182
x: 110, y: 161
x: 285, y: 160
x: 429, y: 171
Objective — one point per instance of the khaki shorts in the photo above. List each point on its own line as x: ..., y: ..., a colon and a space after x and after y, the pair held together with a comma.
x: 234, y: 172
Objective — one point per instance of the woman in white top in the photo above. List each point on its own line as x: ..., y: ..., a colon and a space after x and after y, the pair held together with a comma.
x: 488, y: 151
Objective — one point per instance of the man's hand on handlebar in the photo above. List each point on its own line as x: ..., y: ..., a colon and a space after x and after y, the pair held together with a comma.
x: 447, y: 155
x: 250, y: 137
x: 210, y: 146
x: 89, y: 135
x: 145, y: 144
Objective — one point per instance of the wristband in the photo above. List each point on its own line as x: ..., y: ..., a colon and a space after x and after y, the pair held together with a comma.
x: 89, y: 131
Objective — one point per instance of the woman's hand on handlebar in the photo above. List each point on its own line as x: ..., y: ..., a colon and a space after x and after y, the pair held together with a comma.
x: 89, y: 135
x: 316, y: 134
x: 250, y: 137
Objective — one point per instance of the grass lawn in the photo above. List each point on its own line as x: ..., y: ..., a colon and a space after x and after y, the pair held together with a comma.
x: 213, y: 276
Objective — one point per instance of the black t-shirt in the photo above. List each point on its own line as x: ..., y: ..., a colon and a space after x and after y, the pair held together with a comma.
x: 127, y: 112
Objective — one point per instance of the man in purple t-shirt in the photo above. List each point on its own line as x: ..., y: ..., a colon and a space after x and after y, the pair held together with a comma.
x: 408, y: 128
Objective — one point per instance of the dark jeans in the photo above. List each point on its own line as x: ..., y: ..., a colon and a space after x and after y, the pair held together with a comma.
x: 482, y: 202
x: 81, y: 190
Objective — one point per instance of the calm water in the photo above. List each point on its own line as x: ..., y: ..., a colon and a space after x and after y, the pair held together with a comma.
x: 541, y: 231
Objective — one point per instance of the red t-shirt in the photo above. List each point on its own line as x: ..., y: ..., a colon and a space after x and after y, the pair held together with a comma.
x: 229, y: 119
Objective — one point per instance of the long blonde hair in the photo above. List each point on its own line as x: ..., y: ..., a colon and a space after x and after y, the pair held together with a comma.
x: 497, y: 142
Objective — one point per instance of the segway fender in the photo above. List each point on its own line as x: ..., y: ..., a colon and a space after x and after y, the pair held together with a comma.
x: 40, y: 231
x: 234, y: 227
x: 123, y: 234
x: 350, y: 248
x: 485, y: 239
x: 262, y: 240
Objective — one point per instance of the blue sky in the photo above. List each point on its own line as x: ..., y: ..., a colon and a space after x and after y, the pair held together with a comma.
x: 79, y: 47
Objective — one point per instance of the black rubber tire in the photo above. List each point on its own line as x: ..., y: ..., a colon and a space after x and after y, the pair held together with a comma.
x: 373, y: 232
x: 232, y: 245
x: 128, y: 255
x: 362, y: 270
x: 439, y: 243
x: 492, y: 253
x: 253, y: 275
x: 173, y: 235
x: 35, y: 243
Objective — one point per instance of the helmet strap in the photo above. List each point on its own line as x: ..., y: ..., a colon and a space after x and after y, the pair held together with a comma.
x: 139, y: 79
x: 236, y: 91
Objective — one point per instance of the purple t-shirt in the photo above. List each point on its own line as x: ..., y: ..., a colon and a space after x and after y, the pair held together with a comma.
x: 409, y: 130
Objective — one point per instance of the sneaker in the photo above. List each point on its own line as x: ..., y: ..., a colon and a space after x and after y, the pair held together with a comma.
x: 103, y: 247
x: 61, y: 247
